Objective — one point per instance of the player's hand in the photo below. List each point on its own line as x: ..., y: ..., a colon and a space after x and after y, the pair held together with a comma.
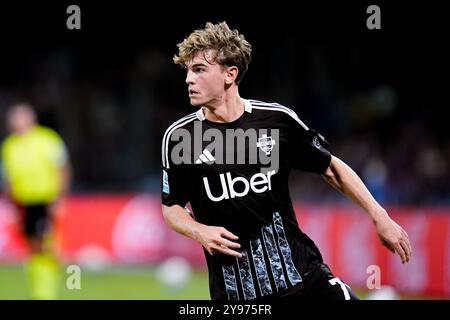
x: 393, y: 237
x: 218, y: 240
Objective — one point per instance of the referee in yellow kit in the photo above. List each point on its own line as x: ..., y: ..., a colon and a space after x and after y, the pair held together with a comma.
x: 37, y: 174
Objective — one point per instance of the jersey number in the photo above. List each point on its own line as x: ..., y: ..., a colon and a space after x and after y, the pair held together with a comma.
x: 343, y: 287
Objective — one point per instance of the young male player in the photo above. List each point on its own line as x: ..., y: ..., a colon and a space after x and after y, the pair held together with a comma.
x: 231, y: 161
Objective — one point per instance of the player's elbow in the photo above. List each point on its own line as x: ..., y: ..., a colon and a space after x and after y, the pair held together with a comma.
x: 167, y: 214
x: 330, y: 172
x: 334, y: 175
x: 170, y: 214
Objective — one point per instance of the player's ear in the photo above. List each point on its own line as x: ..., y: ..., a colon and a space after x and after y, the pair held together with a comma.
x: 231, y: 74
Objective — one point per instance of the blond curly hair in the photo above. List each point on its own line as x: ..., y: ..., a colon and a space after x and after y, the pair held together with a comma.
x: 229, y: 47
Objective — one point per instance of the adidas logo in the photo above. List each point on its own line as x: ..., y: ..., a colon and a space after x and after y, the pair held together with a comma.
x: 205, y: 157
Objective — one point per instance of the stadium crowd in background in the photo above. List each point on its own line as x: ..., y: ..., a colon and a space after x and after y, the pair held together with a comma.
x: 384, y: 130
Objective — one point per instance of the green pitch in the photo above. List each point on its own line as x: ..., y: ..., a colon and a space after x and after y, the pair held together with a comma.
x: 111, y: 283
x: 119, y: 283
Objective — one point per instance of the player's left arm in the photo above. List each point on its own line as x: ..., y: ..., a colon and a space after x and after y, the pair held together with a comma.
x: 6, y: 189
x: 65, y: 173
x: 5, y: 185
x: 344, y: 179
x: 60, y: 157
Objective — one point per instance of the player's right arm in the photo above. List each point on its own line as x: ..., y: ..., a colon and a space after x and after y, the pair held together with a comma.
x: 6, y: 188
x: 175, y: 195
x: 215, y: 240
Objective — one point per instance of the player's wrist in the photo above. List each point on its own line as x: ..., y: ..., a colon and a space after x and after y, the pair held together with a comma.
x: 379, y: 216
x: 196, y: 231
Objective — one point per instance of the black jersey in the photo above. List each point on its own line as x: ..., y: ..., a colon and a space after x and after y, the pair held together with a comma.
x: 235, y: 175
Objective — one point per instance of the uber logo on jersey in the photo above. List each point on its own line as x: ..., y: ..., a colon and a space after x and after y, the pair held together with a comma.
x: 259, y: 183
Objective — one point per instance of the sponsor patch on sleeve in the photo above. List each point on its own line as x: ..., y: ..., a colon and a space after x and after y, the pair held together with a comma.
x: 165, y: 184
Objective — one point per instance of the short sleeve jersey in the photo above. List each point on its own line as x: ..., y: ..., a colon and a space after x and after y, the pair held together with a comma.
x: 235, y: 175
x: 31, y: 164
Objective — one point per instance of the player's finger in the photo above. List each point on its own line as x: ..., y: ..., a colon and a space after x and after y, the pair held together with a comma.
x: 230, y: 244
x: 407, y: 241
x: 406, y: 248
x: 400, y: 252
x: 228, y: 234
x: 229, y: 251
x: 405, y: 234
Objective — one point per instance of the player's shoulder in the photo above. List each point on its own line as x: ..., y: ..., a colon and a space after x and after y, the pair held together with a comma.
x: 182, y: 122
x: 276, y: 111
x: 273, y: 108
x: 7, y: 142
x: 264, y: 105
x: 46, y: 132
x: 167, y: 143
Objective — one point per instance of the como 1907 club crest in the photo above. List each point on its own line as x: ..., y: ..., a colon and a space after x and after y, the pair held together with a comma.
x: 266, y: 143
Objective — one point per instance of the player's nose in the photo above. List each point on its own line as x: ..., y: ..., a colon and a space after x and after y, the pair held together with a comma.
x: 189, y: 78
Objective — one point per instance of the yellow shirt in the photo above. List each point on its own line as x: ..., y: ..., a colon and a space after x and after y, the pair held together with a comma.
x: 32, y: 163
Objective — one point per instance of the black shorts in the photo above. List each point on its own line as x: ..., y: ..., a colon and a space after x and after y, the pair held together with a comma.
x: 318, y: 284
x: 35, y: 219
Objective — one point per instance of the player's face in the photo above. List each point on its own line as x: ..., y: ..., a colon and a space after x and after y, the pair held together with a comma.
x: 20, y: 119
x: 206, y: 80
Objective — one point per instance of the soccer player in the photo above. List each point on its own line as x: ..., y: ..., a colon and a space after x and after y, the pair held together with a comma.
x: 231, y: 161
x: 37, y: 174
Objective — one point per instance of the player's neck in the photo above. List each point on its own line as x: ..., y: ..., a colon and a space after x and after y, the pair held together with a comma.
x: 227, y: 110
x: 23, y: 131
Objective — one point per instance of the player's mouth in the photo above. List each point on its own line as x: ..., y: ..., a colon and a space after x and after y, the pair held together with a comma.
x: 193, y: 92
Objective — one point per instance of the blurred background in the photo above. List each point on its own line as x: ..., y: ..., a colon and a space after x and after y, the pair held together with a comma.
x: 111, y: 90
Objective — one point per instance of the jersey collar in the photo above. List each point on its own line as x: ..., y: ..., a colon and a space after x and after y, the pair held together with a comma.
x: 247, y: 106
